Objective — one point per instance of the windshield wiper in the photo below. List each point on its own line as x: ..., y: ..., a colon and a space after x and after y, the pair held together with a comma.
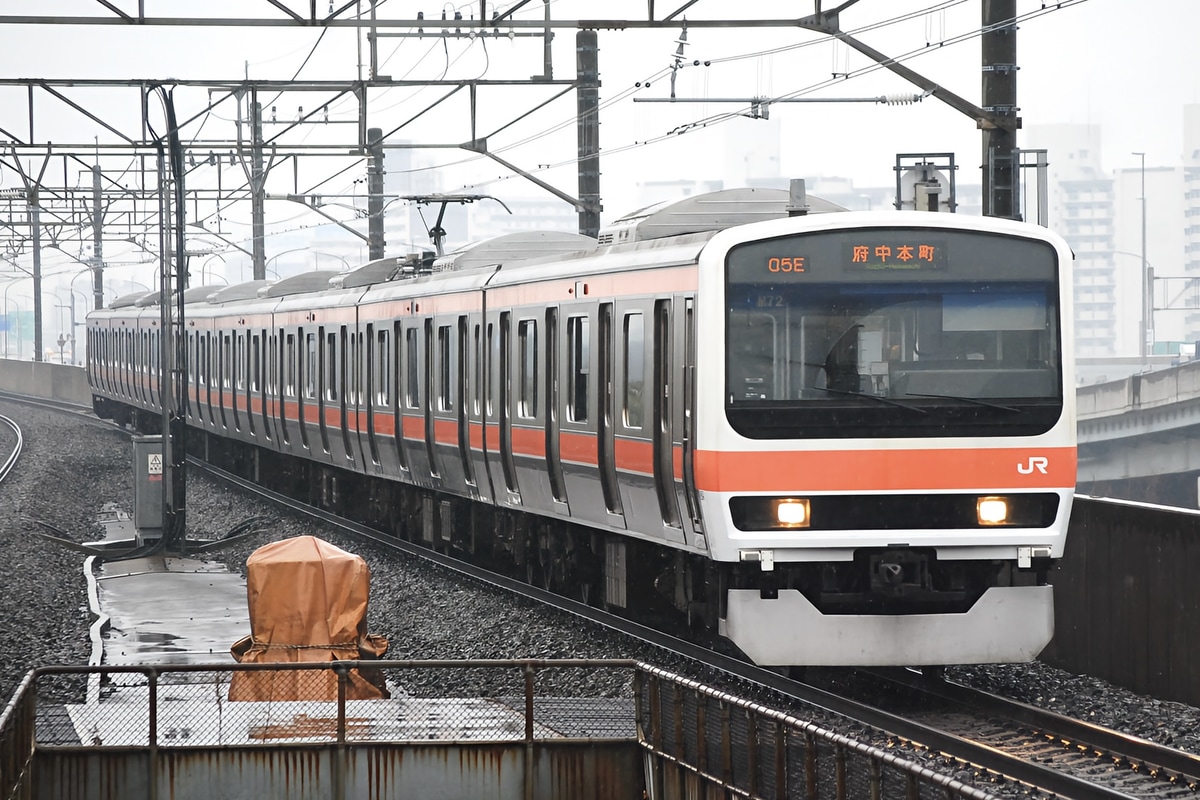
x: 966, y: 400
x: 874, y: 397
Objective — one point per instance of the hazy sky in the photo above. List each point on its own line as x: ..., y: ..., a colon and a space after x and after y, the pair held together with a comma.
x: 1128, y: 67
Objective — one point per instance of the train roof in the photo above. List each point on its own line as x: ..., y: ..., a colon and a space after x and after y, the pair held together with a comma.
x: 713, y: 211
x: 380, y: 270
x: 315, y: 281
x: 510, y: 247
x: 131, y: 299
x: 247, y: 290
x: 200, y: 294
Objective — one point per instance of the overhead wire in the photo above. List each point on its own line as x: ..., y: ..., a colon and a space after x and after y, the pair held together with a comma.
x: 714, y: 119
x: 573, y: 120
x: 703, y: 122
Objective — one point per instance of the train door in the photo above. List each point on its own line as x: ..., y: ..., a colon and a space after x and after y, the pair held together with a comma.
x: 204, y: 378
x: 308, y: 383
x: 399, y: 359
x: 663, y: 447
x: 264, y: 376
x: 225, y: 387
x: 376, y: 360
x: 412, y: 392
x: 287, y: 382
x: 150, y: 373
x: 125, y: 361
x: 577, y: 422
x: 345, y: 375
x: 431, y: 400
x: 634, y: 428
x: 504, y: 401
x: 477, y: 434
x: 462, y: 364
x: 238, y: 379
x: 137, y: 371
x: 554, y: 467
x: 326, y: 375
x: 605, y: 432
x: 253, y: 380
x: 684, y: 405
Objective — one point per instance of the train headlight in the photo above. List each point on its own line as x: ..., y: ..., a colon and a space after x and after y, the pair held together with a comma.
x: 992, y: 510
x: 792, y: 513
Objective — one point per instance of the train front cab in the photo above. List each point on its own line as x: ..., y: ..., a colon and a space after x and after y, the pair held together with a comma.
x: 852, y: 477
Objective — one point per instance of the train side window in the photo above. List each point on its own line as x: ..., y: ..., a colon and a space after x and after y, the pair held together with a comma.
x: 289, y: 380
x: 492, y: 346
x: 383, y: 368
x: 579, y: 347
x: 331, y: 364
x: 412, y: 377
x: 240, y: 374
x: 527, y: 382
x: 310, y: 366
x: 445, y: 369
x: 354, y: 393
x: 635, y: 369
x: 227, y: 361
x: 477, y: 372
x: 255, y: 364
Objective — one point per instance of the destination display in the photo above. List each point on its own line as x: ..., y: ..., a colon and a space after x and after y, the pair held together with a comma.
x: 860, y: 255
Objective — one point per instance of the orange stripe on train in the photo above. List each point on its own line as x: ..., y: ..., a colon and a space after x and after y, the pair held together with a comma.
x: 886, y: 470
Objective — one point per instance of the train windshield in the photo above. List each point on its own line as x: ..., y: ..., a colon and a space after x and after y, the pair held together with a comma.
x: 885, y: 332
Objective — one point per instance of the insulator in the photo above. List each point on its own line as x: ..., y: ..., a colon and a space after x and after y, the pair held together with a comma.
x: 899, y: 99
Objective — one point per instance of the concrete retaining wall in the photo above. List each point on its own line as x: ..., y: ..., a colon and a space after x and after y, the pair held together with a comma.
x: 43, y: 379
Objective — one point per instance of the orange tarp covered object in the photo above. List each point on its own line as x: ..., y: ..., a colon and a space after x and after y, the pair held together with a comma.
x: 308, y: 603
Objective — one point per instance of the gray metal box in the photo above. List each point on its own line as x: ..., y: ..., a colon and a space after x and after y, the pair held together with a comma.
x: 148, y: 485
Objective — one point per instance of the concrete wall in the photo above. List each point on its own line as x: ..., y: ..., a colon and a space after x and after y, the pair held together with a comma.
x: 43, y: 379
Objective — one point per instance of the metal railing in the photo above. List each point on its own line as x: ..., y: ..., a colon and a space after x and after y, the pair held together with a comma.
x: 689, y: 735
x: 743, y: 749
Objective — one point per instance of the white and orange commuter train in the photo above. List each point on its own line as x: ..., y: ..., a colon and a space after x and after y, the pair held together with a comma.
x: 834, y: 438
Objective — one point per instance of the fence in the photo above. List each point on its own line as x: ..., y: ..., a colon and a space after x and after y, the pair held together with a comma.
x: 519, y: 729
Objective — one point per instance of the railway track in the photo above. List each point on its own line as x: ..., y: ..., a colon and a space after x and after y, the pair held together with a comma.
x: 1028, y: 756
x: 955, y: 742
x: 1139, y: 767
x: 11, y: 433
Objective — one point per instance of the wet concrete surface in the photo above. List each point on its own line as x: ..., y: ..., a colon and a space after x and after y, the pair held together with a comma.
x: 165, y: 609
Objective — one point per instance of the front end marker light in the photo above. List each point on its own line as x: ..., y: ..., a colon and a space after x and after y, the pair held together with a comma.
x: 792, y: 513
x: 992, y: 510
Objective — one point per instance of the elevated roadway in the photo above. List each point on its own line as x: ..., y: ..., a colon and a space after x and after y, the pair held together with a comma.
x: 1139, y: 437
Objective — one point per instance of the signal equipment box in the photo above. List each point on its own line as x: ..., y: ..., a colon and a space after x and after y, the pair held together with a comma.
x: 148, y: 486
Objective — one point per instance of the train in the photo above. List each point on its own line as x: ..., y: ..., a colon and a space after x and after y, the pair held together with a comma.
x: 826, y: 437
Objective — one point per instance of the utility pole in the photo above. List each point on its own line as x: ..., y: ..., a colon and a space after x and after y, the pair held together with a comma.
x: 258, y: 197
x: 1145, y: 278
x: 97, y: 245
x: 35, y: 221
x: 1001, y: 172
x: 375, y: 240
x: 587, y: 73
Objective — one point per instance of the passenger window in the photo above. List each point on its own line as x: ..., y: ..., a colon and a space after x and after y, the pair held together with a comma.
x: 446, y: 370
x: 635, y: 369
x: 331, y: 366
x: 310, y: 366
x: 256, y: 364
x: 289, y: 386
x: 578, y: 358
x: 527, y: 342
x: 412, y: 374
x: 383, y: 365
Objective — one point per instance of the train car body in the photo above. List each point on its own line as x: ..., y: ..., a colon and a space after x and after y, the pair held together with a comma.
x: 836, y: 438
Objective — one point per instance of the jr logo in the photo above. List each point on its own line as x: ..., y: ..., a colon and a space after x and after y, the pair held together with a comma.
x: 1035, y: 462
